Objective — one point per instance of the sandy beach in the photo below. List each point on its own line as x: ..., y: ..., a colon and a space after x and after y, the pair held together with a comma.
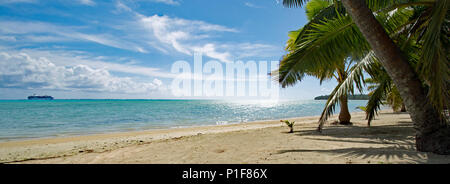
x: 389, y: 140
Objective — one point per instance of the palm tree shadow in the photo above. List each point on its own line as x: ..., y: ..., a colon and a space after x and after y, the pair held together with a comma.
x: 370, y: 153
x: 404, y: 122
x: 398, y: 139
x: 377, y: 141
x: 396, y: 132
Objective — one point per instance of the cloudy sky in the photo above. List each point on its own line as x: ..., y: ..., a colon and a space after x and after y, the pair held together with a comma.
x: 126, y: 48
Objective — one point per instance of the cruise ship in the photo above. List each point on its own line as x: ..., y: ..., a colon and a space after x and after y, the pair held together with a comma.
x: 36, y: 97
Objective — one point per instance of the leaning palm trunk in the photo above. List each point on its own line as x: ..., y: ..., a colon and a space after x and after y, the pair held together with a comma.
x: 432, y: 133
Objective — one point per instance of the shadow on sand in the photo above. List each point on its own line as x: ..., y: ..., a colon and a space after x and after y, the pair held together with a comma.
x: 397, y: 140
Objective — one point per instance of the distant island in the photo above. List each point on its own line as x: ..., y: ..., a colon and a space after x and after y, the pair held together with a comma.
x: 350, y: 97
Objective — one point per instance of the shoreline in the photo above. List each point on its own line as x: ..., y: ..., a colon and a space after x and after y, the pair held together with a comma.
x: 389, y: 140
x: 12, y: 151
x: 228, y: 127
x: 125, y: 131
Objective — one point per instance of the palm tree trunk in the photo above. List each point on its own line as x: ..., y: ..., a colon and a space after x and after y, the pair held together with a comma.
x: 344, y: 114
x: 403, y: 108
x: 432, y: 135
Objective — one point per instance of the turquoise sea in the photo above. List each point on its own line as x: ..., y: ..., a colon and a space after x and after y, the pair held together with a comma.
x: 27, y: 119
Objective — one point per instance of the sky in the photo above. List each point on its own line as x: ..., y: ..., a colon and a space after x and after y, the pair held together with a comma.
x: 83, y: 49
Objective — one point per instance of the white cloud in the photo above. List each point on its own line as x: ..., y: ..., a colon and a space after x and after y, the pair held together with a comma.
x: 248, y: 50
x: 141, y: 33
x: 251, y: 5
x: 122, y: 7
x: 24, y: 71
x: 8, y: 38
x: 73, y: 58
x: 166, y: 33
x: 45, y: 39
x: 63, y: 33
x: 157, y: 82
x: 172, y: 32
x: 169, y: 2
x: 229, y: 52
x: 87, y: 2
x: 210, y: 50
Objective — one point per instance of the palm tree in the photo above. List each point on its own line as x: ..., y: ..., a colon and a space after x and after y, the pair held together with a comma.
x: 316, y: 50
x: 430, y: 31
x: 392, y: 96
x: 394, y: 99
x: 363, y: 108
x: 337, y: 68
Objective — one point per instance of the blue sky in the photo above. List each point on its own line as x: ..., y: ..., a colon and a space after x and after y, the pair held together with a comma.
x: 126, y: 48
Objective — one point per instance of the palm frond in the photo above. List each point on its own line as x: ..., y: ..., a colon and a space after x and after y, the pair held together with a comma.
x: 318, y: 9
x: 294, y: 3
x: 325, y: 46
x: 327, y: 13
x: 434, y: 65
x: 376, y: 99
x: 394, y: 20
x: 355, y: 78
x: 388, y: 5
x: 394, y: 99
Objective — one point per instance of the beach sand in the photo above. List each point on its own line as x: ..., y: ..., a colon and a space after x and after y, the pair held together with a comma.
x: 389, y: 140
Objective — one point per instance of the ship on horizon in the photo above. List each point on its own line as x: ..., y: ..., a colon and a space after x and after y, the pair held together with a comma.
x: 36, y: 97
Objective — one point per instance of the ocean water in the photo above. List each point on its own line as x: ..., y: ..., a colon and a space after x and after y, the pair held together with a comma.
x: 28, y: 119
